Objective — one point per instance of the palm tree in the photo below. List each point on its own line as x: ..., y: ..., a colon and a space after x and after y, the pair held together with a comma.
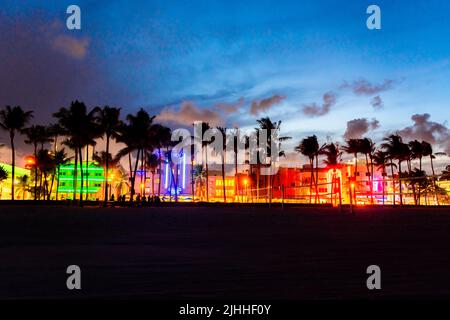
x: 416, y: 149
x: 333, y: 160
x: 367, y: 147
x: 34, y: 136
x: 309, y: 147
x: 46, y: 166
x: 152, y: 163
x: 138, y: 135
x: 13, y: 120
x: 3, y: 177
x: 391, y: 147
x: 223, y: 132
x: 205, y: 127
x: 396, y: 149
x: 108, y: 119
x: 428, y: 152
x: 60, y: 158
x: 102, y: 159
x: 198, y: 173
x: 381, y: 160
x: 162, y: 139
x: 23, y: 185
x: 77, y: 124
x: 353, y: 147
x: 273, y: 128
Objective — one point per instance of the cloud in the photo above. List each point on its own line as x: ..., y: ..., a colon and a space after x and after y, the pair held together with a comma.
x: 363, y: 87
x: 75, y: 48
x: 265, y: 104
x: 230, y: 107
x: 377, y: 103
x: 188, y: 114
x: 314, y: 110
x: 430, y: 131
x: 357, y: 128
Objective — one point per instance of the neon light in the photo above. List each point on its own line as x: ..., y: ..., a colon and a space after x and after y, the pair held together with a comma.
x: 167, y: 175
x: 184, y: 170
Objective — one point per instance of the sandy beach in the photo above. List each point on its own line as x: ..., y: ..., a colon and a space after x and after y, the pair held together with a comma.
x: 224, y: 252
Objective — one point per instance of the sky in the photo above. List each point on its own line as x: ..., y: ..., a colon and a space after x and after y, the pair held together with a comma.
x: 314, y: 65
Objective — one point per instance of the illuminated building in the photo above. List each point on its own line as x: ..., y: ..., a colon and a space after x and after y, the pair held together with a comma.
x: 93, y: 179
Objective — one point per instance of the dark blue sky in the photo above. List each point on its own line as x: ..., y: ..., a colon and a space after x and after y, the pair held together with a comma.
x: 312, y: 64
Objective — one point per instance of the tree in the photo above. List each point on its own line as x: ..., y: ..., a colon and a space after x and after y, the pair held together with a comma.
x: 152, y: 162
x: 3, y: 176
x: 399, y: 151
x: 367, y: 147
x: 416, y: 149
x: 60, y: 158
x: 332, y: 160
x: 37, y: 135
x: 273, y: 129
x: 108, y: 119
x: 391, y: 147
x: 223, y: 155
x: 381, y: 160
x: 23, y: 185
x: 309, y: 147
x: 138, y: 135
x: 77, y: 124
x: 103, y: 159
x: 13, y: 120
x: 353, y: 147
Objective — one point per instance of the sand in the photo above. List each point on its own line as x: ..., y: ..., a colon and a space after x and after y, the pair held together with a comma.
x: 224, y: 252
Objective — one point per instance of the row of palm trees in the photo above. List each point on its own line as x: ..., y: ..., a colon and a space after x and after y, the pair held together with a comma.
x: 149, y: 144
x: 391, y: 150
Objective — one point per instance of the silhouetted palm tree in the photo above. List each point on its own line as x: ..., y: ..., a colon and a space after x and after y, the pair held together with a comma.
x: 101, y: 159
x: 138, y: 135
x: 273, y: 129
x: 60, y: 158
x: 205, y: 127
x: 23, y: 185
x: 35, y: 135
x: 353, y: 147
x: 77, y: 124
x: 162, y: 136
x: 381, y: 160
x: 108, y: 118
x: 13, y: 120
x: 367, y: 147
x: 46, y: 166
x: 332, y: 160
x: 152, y: 162
x: 309, y: 147
x: 223, y: 155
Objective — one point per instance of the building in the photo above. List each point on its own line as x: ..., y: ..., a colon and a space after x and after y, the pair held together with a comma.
x: 93, y: 181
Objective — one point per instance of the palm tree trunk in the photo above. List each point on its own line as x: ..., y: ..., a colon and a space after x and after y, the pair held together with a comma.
x: 317, y: 179
x: 75, y: 177
x: 393, y: 182
x: 35, y: 171
x: 207, y: 176
x: 434, y: 180
x: 57, y: 184
x: 80, y: 151
x: 223, y: 178
x: 13, y: 154
x: 311, y: 164
x: 87, y: 173
x: 236, y: 180
x: 106, y: 169
x: 400, y: 181
x: 133, y: 175
x: 420, y: 189
x: 160, y: 172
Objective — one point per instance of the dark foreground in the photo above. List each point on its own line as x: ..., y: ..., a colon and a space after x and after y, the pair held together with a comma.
x: 218, y: 252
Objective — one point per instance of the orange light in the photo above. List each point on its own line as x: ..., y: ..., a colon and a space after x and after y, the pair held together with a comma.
x: 245, y: 181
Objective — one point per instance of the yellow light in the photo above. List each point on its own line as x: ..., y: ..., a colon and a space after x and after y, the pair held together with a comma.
x: 245, y: 181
